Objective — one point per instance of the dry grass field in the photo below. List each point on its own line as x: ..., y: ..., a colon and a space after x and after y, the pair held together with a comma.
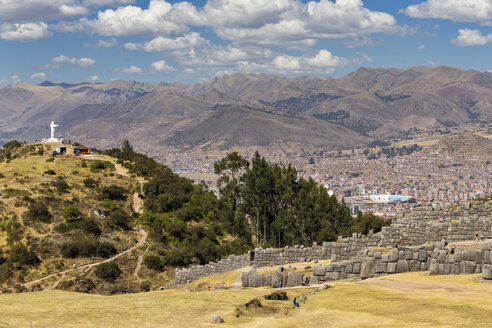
x: 403, y: 300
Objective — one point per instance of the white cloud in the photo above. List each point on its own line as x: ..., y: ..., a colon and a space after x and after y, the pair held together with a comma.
x: 160, y: 18
x: 93, y: 78
x: 15, y: 78
x: 82, y: 62
x: 286, y: 23
x: 286, y: 62
x: 468, y: 38
x: 303, y: 24
x: 363, y: 41
x: 38, y: 76
x: 161, y: 43
x: 324, y: 58
x: 25, y: 32
x: 106, y: 3
x: 24, y: 11
x: 161, y: 66
x: 129, y: 70
x: 478, y: 11
x: 102, y: 44
x: 421, y: 47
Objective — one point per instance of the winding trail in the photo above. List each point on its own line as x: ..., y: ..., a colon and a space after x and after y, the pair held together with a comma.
x: 139, y: 265
x: 143, y: 239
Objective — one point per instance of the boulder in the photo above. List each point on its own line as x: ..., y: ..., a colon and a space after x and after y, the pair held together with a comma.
x: 276, y: 279
x: 391, y: 267
x: 356, y: 268
x: 368, y: 268
x: 255, y: 279
x: 218, y: 318
x: 268, y: 280
x: 319, y: 270
x: 245, y: 279
x: 294, y: 279
x: 487, y: 272
x: 402, y: 266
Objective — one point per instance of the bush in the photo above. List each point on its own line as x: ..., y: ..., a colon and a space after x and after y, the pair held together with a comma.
x: 5, y: 272
x: 153, y: 262
x: 49, y: 172
x: 51, y: 159
x: 60, y: 185
x: 119, y: 219
x: 113, y: 192
x: 71, y: 213
x: 90, y: 183
x: 87, y: 248
x: 20, y: 254
x: 108, y: 271
x: 89, y: 226
x: 38, y: 211
x: 98, y: 166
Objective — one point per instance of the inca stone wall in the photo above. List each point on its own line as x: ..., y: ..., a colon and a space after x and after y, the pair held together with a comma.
x: 423, y: 225
x: 233, y: 262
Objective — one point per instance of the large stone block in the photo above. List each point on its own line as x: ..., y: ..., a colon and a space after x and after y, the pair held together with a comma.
x: 380, y: 266
x: 356, y: 269
x: 294, y: 279
x: 487, y: 272
x: 391, y: 267
x: 276, y: 279
x: 255, y: 279
x: 422, y: 255
x: 393, y: 256
x: 268, y: 280
x: 455, y: 268
x: 469, y: 267
x: 335, y: 275
x: 414, y: 265
x: 319, y: 270
x: 245, y: 279
x: 402, y: 266
x: 441, y: 258
x: 368, y: 268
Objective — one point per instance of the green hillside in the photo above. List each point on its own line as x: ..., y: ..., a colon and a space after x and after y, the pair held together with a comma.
x: 76, y: 224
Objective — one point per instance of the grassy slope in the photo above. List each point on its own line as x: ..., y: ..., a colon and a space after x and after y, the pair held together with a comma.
x: 26, y: 174
x: 404, y: 300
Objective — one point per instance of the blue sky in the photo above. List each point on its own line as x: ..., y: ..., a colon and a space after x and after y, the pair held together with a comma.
x: 191, y: 41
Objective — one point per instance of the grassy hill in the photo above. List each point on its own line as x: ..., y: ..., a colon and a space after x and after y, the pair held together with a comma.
x: 76, y: 223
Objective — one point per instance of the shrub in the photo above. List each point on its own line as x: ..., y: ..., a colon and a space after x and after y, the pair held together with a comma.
x: 108, y: 271
x: 113, y: 192
x: 60, y: 185
x: 153, y: 262
x: 51, y: 159
x: 87, y: 248
x: 119, y: 219
x: 38, y: 211
x: 49, y: 172
x: 98, y: 166
x: 5, y: 272
x: 71, y: 213
x: 2, y: 176
x: 90, y: 183
x: 20, y: 254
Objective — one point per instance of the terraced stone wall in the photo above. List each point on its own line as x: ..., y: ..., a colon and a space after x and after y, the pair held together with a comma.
x: 423, y: 225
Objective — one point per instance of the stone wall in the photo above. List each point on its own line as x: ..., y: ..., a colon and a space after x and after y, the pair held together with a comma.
x: 423, y: 225
x: 434, y: 258
x: 233, y: 262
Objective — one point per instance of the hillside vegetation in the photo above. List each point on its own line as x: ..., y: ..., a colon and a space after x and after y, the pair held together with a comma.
x: 79, y: 224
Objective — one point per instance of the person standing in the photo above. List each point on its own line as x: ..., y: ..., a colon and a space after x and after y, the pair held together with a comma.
x: 476, y: 236
x: 482, y: 236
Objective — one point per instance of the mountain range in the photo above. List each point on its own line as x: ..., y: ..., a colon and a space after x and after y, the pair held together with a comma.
x: 250, y: 110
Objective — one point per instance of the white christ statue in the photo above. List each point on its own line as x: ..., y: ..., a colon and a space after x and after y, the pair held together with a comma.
x: 53, y: 126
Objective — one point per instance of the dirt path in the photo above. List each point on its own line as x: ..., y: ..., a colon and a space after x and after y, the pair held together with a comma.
x: 143, y: 239
x: 137, y: 204
x: 139, y: 265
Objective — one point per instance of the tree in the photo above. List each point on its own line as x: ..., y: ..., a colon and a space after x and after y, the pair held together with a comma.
x: 108, y: 271
x: 230, y: 169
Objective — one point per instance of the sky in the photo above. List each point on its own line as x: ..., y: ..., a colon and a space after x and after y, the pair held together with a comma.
x: 191, y: 41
